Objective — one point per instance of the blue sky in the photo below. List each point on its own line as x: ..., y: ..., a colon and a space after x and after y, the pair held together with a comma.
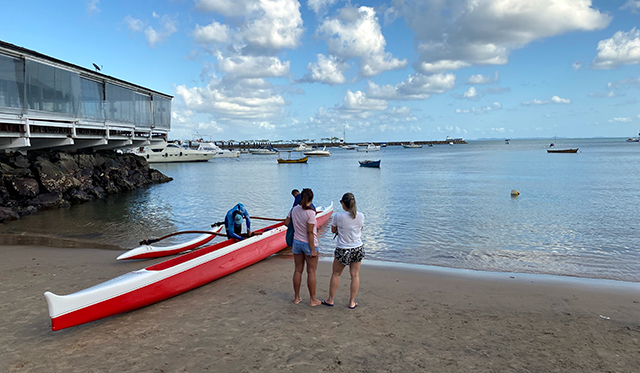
x: 379, y: 71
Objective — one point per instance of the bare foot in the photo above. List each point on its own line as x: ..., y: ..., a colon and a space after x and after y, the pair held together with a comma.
x: 297, y: 300
x: 314, y: 303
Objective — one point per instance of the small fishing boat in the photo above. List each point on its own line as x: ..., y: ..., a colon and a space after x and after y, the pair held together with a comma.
x: 152, y: 251
x: 368, y: 163
x: 570, y: 150
x: 411, y: 145
x: 368, y: 148
x: 302, y: 147
x: 292, y: 160
x: 167, y: 279
x: 164, y: 152
x: 318, y: 152
x: 507, y: 141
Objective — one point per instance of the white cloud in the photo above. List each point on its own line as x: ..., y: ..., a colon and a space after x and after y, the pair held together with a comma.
x: 481, y: 110
x: 253, y: 67
x: 559, y: 100
x: 92, y: 7
x: 620, y: 120
x: 607, y: 94
x: 481, y: 79
x: 358, y: 101
x: 355, y: 33
x: 329, y: 70
x: 168, y: 26
x: 553, y: 100
x: 237, y: 101
x: 622, y: 49
x: 133, y: 24
x: 632, y: 5
x: 416, y: 87
x: 212, y: 33
x: 470, y: 94
x: 576, y: 66
x: 456, y: 34
x: 624, y: 82
x: 273, y: 24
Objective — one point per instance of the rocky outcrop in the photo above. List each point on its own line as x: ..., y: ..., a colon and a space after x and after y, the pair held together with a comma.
x: 45, y: 180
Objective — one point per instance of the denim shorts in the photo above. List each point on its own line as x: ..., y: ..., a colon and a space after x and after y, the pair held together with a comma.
x: 300, y: 247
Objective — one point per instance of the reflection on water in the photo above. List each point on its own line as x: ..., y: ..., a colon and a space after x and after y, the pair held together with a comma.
x: 443, y: 205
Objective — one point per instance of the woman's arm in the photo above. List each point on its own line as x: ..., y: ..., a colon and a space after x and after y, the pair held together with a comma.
x: 287, y: 221
x: 334, y: 229
x: 311, y: 239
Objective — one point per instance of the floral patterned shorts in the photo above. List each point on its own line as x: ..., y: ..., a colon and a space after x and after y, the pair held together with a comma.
x: 348, y: 256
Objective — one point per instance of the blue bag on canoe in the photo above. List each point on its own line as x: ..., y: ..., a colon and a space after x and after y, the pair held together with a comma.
x: 290, y: 234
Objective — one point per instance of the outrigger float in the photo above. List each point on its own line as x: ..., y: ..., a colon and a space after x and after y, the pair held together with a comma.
x: 164, y: 280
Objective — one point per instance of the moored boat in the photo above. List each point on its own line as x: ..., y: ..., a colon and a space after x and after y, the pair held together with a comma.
x: 152, y: 251
x: 264, y: 151
x: 318, y: 152
x: 292, y: 160
x: 167, y: 279
x: 164, y: 152
x: 368, y: 148
x: 570, y: 150
x: 411, y: 145
x: 368, y: 163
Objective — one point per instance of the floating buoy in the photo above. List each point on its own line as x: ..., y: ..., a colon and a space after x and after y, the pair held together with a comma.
x: 514, y: 193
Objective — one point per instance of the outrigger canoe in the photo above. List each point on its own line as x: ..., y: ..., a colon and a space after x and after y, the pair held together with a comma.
x: 164, y: 280
x: 151, y: 251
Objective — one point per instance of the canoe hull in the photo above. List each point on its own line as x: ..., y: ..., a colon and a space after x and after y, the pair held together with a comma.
x: 572, y: 150
x: 166, y: 279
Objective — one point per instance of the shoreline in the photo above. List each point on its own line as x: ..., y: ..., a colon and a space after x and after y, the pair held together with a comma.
x: 408, y: 319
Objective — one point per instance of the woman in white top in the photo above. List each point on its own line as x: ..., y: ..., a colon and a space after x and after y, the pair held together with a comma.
x: 350, y: 251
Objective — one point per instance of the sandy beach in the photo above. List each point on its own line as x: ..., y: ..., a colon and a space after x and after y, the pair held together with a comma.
x: 412, y: 319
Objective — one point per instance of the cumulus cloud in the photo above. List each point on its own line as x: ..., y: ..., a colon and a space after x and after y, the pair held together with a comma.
x: 265, y: 25
x: 456, y: 34
x: 576, y: 65
x: 133, y: 24
x: 481, y: 79
x: 481, y: 110
x: 92, y: 7
x: 471, y: 94
x: 620, y: 120
x: 553, y: 100
x: 416, y: 87
x: 622, y: 49
x: 357, y: 101
x: 211, y: 33
x: 234, y: 101
x: 356, y: 34
x: 632, y: 5
x: 240, y: 67
x: 328, y: 70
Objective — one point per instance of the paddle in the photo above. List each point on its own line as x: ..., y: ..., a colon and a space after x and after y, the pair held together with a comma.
x: 154, y: 240
x: 260, y: 218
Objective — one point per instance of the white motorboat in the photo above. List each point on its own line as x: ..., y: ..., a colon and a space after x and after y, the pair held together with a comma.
x: 217, y: 151
x: 302, y: 147
x: 318, y: 153
x: 368, y: 148
x: 164, y: 152
x: 411, y: 145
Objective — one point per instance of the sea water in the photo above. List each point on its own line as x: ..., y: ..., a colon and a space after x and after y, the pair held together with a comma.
x: 445, y: 205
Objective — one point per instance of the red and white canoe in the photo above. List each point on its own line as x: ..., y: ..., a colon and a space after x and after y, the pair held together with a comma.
x: 151, y: 251
x: 164, y: 280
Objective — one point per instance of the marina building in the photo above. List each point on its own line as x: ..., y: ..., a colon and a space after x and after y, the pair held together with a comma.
x: 46, y: 103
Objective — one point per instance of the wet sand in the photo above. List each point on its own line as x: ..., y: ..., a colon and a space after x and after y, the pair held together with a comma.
x: 409, y: 319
